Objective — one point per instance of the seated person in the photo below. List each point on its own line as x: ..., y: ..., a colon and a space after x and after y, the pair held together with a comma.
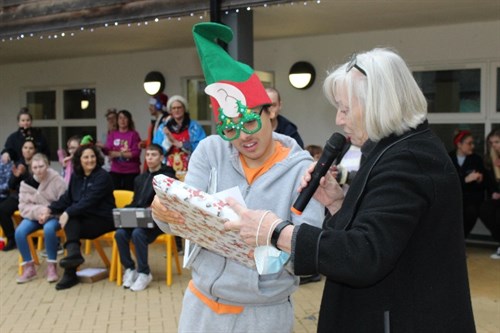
x: 86, y: 208
x: 20, y: 172
x: 35, y: 193
x: 139, y: 279
x: 5, y: 173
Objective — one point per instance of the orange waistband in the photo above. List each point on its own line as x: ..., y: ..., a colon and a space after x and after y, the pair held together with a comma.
x: 216, y: 307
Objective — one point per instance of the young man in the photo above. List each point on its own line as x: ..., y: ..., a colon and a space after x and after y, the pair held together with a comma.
x: 224, y: 295
x: 281, y: 124
x: 138, y: 279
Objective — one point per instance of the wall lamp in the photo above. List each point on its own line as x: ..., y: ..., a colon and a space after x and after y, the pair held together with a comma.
x: 154, y: 82
x: 302, y: 75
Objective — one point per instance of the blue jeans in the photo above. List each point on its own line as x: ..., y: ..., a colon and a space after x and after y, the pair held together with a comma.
x: 49, y: 230
x: 141, y: 238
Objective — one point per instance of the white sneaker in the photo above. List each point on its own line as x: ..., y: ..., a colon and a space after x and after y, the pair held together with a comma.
x: 496, y: 255
x: 129, y: 277
x: 143, y: 280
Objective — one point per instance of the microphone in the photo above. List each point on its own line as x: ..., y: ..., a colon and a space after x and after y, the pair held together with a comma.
x: 335, y: 148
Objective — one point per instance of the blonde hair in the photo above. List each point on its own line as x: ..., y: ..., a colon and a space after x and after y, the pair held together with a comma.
x: 40, y: 157
x: 389, y: 95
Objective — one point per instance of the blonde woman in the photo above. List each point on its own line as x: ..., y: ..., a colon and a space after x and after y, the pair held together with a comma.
x: 36, y: 192
x: 490, y: 209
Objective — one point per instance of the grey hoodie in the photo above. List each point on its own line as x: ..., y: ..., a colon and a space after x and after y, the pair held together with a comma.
x: 225, y: 280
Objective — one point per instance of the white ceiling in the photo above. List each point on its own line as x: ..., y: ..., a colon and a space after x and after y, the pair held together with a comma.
x: 277, y: 21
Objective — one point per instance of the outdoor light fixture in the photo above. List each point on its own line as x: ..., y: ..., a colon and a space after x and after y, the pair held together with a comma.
x: 154, y: 83
x: 84, y: 104
x: 302, y: 75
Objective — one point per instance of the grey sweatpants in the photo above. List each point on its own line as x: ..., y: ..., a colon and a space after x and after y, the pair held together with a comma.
x: 197, y: 317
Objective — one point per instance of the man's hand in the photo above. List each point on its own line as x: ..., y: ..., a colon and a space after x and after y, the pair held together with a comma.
x: 162, y: 214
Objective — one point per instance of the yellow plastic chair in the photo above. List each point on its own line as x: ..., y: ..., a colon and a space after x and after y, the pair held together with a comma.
x: 40, y: 236
x: 122, y: 198
x: 170, y: 249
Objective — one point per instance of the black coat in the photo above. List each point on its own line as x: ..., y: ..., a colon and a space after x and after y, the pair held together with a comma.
x: 15, y: 141
x: 473, y: 191
x: 394, y: 253
x: 288, y: 128
x: 90, y: 196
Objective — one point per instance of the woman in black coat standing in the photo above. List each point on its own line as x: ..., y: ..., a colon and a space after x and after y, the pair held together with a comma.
x: 392, y: 252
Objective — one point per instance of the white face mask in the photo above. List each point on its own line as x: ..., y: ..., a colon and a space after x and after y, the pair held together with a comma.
x: 269, y: 260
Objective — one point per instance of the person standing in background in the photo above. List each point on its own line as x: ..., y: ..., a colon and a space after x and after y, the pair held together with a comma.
x: 490, y: 209
x: 179, y: 135
x: 112, y: 125
x: 122, y: 147
x: 15, y: 141
x: 470, y: 168
x: 280, y: 123
x: 65, y: 156
x: 158, y: 111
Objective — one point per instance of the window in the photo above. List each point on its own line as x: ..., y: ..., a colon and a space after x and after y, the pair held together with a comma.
x: 451, y: 91
x: 498, y: 90
x: 61, y: 112
x: 459, y: 97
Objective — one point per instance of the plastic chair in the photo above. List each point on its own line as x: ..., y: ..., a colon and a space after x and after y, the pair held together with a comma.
x: 122, y: 198
x: 170, y: 249
x: 40, y: 236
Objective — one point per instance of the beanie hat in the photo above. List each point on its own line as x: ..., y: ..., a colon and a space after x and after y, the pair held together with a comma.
x: 177, y: 98
x: 159, y: 101
x: 232, y: 85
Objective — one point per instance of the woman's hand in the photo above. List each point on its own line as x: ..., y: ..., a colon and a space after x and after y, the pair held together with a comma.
x: 254, y: 226
x: 5, y: 158
x: 329, y: 193
x: 162, y: 214
x: 474, y: 176
x: 44, y: 215
x: 18, y: 170
x: 63, y: 219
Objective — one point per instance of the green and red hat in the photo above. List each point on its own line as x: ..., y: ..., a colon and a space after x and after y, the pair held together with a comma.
x: 230, y: 84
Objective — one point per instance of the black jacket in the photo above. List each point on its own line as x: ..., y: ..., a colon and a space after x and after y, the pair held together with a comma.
x: 394, y: 253
x: 473, y: 191
x: 286, y: 127
x: 15, y: 141
x: 87, y: 196
x: 143, y: 187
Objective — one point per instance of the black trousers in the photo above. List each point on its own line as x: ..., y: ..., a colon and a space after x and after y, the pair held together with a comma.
x: 490, y: 215
x: 87, y: 227
x: 7, y: 208
x: 470, y: 214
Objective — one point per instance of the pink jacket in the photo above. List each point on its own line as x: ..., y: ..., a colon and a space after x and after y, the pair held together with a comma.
x: 31, y: 200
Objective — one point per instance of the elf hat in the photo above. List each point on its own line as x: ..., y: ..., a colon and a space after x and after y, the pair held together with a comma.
x: 230, y: 84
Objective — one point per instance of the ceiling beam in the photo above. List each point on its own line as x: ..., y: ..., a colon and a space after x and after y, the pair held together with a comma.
x: 34, y: 16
